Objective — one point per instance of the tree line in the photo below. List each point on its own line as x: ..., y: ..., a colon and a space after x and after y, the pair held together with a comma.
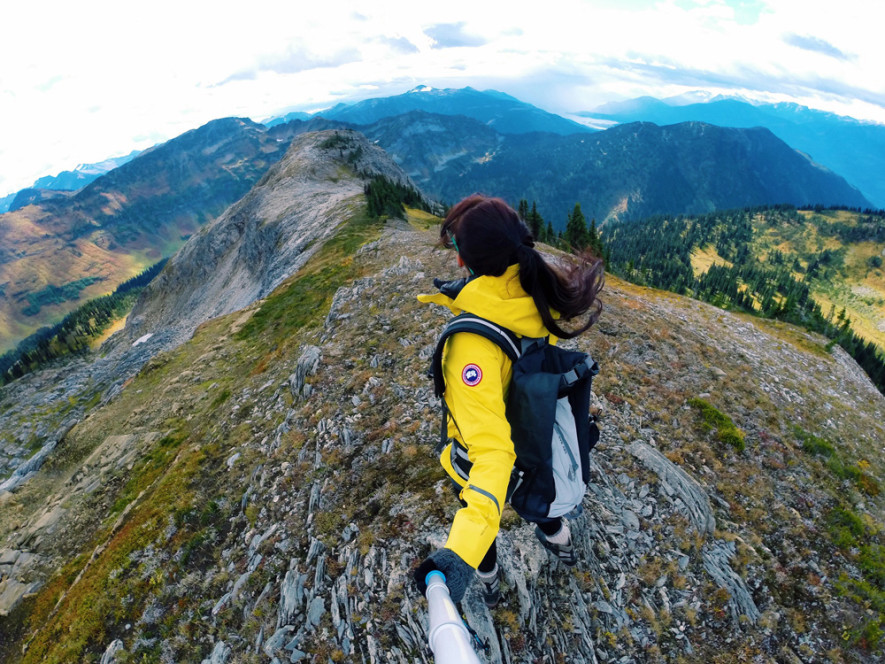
x: 77, y: 330
x: 577, y: 235
x: 657, y: 252
x: 384, y: 197
x: 53, y: 294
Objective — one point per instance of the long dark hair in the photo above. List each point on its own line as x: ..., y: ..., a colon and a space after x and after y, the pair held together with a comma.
x: 489, y: 236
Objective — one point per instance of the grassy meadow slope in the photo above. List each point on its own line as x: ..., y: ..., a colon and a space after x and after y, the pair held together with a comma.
x: 263, y: 490
x: 43, y: 260
x: 855, y: 281
x: 818, y: 268
x: 60, y: 253
x: 840, y: 253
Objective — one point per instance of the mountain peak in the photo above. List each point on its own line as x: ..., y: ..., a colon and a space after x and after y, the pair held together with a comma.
x: 506, y: 113
x: 267, y: 235
x: 847, y: 146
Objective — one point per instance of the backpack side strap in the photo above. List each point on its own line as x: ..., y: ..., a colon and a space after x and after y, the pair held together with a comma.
x: 505, y: 339
x: 587, y: 368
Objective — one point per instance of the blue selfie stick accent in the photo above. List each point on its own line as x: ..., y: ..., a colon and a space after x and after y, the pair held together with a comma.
x: 448, y: 635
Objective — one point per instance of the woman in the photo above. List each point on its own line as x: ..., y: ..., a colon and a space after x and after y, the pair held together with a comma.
x: 511, y: 285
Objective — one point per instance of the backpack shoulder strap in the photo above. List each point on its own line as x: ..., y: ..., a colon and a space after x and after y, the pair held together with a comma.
x: 504, y: 338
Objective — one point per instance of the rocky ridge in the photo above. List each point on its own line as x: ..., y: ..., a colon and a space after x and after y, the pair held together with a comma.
x: 324, y: 495
x: 251, y: 481
x: 266, y: 236
x: 237, y: 258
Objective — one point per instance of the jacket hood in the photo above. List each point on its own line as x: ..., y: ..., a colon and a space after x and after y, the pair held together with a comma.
x: 501, y: 300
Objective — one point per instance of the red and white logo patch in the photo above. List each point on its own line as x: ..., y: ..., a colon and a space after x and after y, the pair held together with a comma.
x: 471, y: 375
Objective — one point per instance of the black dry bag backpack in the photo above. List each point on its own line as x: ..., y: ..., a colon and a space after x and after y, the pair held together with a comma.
x: 548, y: 409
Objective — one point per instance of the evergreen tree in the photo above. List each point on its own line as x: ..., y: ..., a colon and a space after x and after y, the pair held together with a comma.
x: 536, y: 224
x: 576, y: 235
x: 594, y: 242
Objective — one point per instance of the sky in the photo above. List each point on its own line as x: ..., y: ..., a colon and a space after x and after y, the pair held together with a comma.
x: 84, y: 81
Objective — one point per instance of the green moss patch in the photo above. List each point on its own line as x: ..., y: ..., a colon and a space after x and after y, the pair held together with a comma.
x: 861, y: 544
x: 714, y: 419
x: 841, y: 469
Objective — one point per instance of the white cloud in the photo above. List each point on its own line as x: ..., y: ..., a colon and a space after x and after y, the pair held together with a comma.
x: 99, y: 79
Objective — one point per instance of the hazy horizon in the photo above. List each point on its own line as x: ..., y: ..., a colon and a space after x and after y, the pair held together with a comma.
x: 99, y: 81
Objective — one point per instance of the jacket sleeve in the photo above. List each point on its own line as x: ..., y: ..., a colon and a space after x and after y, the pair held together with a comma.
x: 477, y: 372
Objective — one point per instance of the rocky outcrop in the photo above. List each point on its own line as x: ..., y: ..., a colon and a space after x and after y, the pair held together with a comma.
x: 676, y: 481
x: 307, y: 366
x: 16, y: 582
x: 32, y: 465
x: 265, y: 237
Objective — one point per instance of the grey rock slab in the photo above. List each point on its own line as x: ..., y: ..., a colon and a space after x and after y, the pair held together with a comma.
x: 13, y: 591
x: 316, y: 611
x: 717, y: 561
x: 630, y: 520
x: 291, y: 596
x: 8, y: 556
x: 220, y: 654
x: 307, y: 365
x: 277, y: 639
x: 679, y: 483
x: 110, y: 654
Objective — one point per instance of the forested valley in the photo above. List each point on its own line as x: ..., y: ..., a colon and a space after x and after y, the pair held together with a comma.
x: 77, y: 331
x: 776, y: 262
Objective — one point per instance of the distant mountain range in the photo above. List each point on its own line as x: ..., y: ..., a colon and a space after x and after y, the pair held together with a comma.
x: 449, y: 169
x: 627, y: 172
x: 56, y: 251
x: 66, y: 181
x: 852, y: 148
x: 501, y: 112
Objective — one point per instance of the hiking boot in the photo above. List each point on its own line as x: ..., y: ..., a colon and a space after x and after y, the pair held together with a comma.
x: 491, y: 587
x: 559, y: 544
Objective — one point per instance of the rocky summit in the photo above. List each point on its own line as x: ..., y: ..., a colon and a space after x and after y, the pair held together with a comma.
x: 255, y: 481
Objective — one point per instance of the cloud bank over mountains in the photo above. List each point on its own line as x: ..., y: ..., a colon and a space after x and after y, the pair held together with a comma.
x: 101, y: 80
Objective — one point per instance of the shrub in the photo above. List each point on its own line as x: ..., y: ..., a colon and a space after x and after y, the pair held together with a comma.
x: 818, y: 446
x: 713, y: 418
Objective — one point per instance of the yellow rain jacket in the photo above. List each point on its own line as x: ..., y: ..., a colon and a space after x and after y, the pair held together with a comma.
x: 477, y: 376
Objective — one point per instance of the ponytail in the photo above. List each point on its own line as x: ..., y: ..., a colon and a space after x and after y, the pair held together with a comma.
x: 571, y: 290
x: 489, y: 236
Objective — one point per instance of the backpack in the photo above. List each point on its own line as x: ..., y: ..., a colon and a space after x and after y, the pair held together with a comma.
x: 548, y: 409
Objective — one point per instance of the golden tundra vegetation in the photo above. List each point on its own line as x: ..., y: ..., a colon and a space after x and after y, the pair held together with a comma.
x: 88, y: 262
x: 858, y: 285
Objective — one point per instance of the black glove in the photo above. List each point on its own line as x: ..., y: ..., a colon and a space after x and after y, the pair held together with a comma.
x: 458, y: 573
x: 451, y: 288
